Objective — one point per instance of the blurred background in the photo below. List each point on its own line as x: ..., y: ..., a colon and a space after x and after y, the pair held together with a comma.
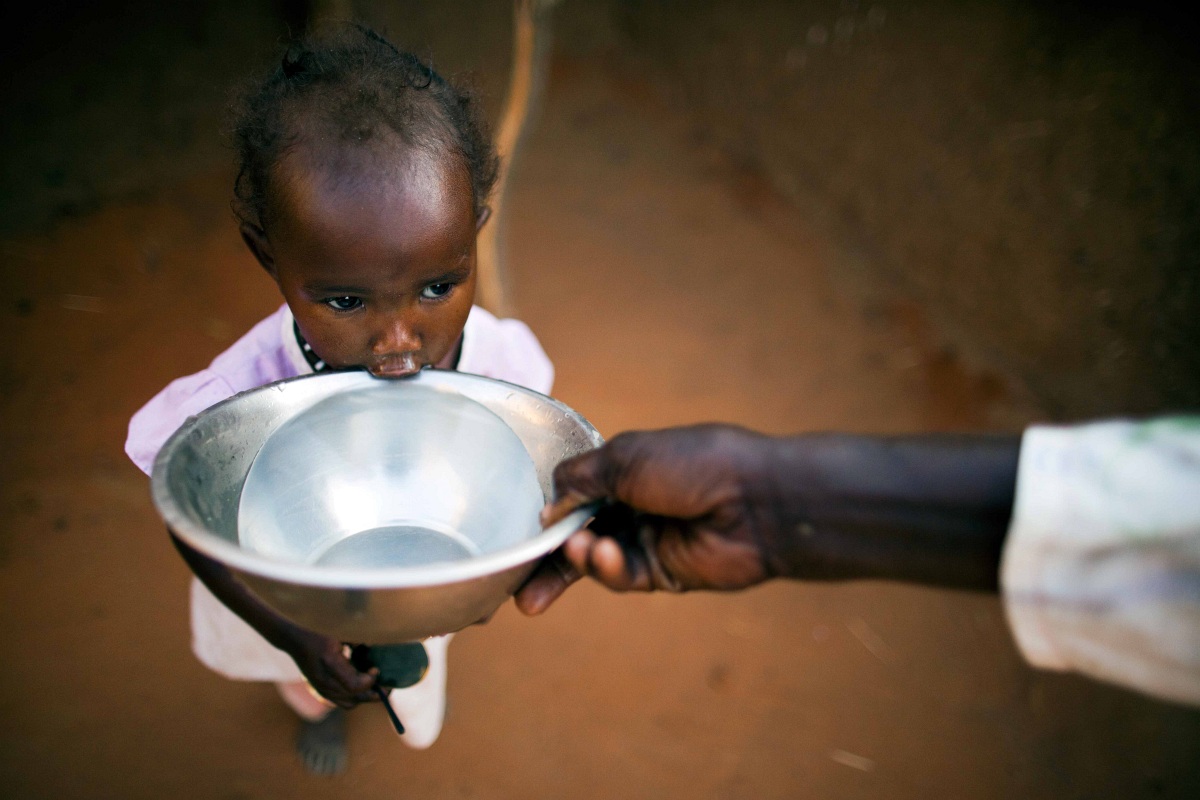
x: 910, y: 215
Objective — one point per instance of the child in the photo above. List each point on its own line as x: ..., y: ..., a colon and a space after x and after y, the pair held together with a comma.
x: 363, y: 181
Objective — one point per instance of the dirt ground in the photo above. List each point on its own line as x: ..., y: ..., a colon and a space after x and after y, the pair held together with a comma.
x: 670, y: 284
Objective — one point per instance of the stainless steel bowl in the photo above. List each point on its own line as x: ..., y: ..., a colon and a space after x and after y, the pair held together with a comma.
x: 373, y: 511
x: 379, y: 478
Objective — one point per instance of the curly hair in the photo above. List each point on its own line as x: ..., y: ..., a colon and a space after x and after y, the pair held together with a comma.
x: 346, y: 85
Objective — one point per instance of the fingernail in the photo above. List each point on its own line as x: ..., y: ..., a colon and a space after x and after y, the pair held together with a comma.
x: 532, y: 602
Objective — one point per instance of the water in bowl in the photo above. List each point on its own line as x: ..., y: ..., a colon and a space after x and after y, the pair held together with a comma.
x: 396, y: 546
x: 391, y: 475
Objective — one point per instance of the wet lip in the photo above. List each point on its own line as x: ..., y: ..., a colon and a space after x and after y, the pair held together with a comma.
x: 396, y: 366
x: 394, y: 372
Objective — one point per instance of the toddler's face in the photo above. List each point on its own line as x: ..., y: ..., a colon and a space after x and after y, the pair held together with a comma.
x: 378, y: 270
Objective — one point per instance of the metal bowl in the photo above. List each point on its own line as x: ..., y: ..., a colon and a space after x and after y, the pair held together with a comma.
x: 373, y: 511
x: 380, y: 478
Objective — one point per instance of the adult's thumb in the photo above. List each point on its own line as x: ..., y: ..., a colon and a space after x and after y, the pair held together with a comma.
x: 579, y: 480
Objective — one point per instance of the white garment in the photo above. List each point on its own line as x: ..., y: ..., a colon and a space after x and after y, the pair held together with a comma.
x: 502, y: 349
x: 1101, y: 567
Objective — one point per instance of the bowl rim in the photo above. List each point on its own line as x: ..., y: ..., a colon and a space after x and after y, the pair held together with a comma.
x: 366, y: 578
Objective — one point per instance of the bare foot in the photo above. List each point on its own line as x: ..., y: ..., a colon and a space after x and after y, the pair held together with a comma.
x: 322, y: 744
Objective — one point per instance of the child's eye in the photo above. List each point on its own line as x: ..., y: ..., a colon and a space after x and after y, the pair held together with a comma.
x: 344, y: 303
x: 435, y: 290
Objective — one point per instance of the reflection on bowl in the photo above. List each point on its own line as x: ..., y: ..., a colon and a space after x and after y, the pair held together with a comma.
x: 381, y: 478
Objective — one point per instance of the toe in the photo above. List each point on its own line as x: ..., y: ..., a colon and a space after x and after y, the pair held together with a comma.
x: 321, y: 745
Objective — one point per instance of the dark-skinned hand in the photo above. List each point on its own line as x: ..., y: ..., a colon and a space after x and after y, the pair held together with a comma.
x: 721, y: 507
x: 325, y: 665
x: 699, y: 523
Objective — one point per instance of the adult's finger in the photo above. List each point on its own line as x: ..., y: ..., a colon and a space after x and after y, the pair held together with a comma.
x: 561, y: 507
x: 579, y: 480
x: 549, y: 580
x: 614, y: 564
x: 616, y: 567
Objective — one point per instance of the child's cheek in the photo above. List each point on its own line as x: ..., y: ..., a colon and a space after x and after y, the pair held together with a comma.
x: 337, y: 345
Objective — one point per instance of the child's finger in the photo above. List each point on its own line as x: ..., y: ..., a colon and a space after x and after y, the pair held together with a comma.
x: 333, y: 691
x: 353, y: 682
x: 364, y: 693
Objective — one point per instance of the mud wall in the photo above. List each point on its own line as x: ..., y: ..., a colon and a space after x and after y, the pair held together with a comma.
x: 1029, y: 173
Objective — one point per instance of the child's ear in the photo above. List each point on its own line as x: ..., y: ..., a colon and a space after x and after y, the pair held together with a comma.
x: 485, y: 214
x: 256, y: 239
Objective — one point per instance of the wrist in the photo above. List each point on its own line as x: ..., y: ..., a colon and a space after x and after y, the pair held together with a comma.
x: 924, y: 509
x: 777, y: 498
x: 804, y: 482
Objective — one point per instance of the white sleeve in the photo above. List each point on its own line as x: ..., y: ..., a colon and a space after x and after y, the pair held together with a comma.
x: 1101, y: 567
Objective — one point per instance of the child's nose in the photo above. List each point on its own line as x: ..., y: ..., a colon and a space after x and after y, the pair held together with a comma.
x: 397, y: 334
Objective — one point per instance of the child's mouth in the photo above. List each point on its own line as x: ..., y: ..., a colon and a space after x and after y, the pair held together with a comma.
x: 397, y: 366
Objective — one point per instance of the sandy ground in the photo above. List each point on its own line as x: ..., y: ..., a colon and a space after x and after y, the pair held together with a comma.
x: 668, y: 286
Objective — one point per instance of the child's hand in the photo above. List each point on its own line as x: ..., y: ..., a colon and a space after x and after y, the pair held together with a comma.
x: 324, y: 663
x: 695, y: 525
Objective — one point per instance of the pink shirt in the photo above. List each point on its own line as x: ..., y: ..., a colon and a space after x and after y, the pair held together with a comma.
x: 504, y: 349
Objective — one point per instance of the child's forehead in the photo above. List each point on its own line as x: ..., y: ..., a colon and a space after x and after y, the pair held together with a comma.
x: 311, y: 181
x: 378, y: 167
x: 330, y: 209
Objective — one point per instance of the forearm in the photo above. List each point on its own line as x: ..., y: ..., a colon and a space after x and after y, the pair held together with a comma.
x: 930, y: 509
x: 279, y: 631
